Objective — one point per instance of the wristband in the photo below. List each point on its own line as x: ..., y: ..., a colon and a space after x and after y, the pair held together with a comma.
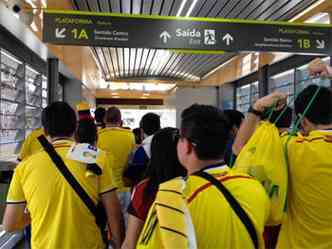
x: 255, y: 112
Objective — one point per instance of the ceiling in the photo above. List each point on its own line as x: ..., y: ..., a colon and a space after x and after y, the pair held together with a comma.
x: 130, y: 63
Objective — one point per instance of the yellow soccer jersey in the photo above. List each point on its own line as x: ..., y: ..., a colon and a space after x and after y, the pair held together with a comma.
x: 216, y: 224
x: 119, y: 143
x: 308, y: 223
x: 31, y: 145
x: 59, y: 218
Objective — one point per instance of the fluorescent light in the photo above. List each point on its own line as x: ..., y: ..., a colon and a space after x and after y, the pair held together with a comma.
x: 307, y: 10
x: 283, y: 74
x: 31, y: 3
x: 218, y: 67
x: 181, y: 7
x: 115, y: 97
x: 319, y: 18
x: 115, y: 93
x: 44, y: 3
x: 10, y: 56
x: 146, y: 94
x: 192, y: 6
x: 34, y: 26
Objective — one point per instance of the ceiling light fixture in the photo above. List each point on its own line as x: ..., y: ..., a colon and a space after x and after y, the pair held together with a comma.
x: 192, y: 6
x: 181, y: 7
x: 295, y: 18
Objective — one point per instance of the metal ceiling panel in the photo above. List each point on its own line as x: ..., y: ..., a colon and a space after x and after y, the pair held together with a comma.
x: 136, y: 6
x: 117, y: 63
x: 147, y: 4
x: 263, y: 7
x: 218, y: 8
x: 297, y: 9
x: 250, y: 9
x: 126, y: 6
x: 290, y: 5
x: 167, y: 7
x: 157, y: 6
x: 115, y: 5
x: 199, y: 7
x: 278, y: 4
x: 229, y: 8
x: 175, y: 8
x: 240, y: 8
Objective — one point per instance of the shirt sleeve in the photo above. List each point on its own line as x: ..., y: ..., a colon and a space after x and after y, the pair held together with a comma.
x: 137, y: 166
x: 15, y: 193
x: 139, y: 206
x: 106, y: 183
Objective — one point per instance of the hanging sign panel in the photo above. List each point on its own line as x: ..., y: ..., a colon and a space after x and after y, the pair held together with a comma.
x: 161, y: 32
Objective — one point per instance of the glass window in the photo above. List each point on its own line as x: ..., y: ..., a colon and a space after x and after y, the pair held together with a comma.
x: 12, y: 103
x: 23, y: 94
x: 283, y: 82
x: 246, y: 95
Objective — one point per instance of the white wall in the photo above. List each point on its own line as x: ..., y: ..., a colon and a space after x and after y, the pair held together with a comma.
x: 186, y: 96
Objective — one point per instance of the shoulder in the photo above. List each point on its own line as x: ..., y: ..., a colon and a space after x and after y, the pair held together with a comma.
x: 237, y: 183
x: 34, y: 160
x: 36, y: 133
x: 139, y: 189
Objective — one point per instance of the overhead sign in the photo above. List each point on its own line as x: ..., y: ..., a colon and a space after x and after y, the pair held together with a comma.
x: 134, y: 31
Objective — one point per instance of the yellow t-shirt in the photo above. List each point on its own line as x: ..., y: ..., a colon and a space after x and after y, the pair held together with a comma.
x: 119, y: 143
x: 216, y: 224
x: 31, y: 145
x: 308, y: 223
x: 59, y: 218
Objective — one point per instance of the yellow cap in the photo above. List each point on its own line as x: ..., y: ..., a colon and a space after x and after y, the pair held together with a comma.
x: 83, y: 106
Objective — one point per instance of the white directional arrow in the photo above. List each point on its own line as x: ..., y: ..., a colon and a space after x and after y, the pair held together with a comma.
x: 228, y: 38
x: 165, y: 36
x: 320, y: 44
x: 60, y: 33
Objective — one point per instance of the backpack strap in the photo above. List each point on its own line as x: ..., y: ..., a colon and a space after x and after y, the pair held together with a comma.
x: 59, y: 163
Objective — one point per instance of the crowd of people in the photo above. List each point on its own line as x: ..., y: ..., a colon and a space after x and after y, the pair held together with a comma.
x: 88, y: 182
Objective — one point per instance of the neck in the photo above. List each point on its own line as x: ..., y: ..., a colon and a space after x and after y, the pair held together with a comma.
x: 113, y: 125
x: 281, y: 130
x: 321, y: 127
x: 53, y: 139
x: 199, y: 165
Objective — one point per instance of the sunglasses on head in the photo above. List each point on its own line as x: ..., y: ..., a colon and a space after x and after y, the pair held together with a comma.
x: 177, y: 136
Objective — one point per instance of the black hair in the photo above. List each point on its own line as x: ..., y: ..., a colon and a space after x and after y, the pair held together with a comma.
x: 284, y: 121
x: 44, y: 117
x: 208, y: 129
x: 320, y: 112
x: 138, y: 135
x: 164, y: 164
x: 86, y: 132
x: 113, y: 115
x: 59, y: 120
x: 100, y: 113
x: 150, y: 123
x: 235, y: 117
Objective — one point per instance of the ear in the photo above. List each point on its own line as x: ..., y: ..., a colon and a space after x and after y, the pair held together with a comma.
x: 188, y: 146
x: 306, y: 125
x: 185, y: 146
